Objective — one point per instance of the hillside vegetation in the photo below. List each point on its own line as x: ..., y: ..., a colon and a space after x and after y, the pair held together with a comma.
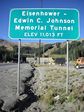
x: 8, y: 50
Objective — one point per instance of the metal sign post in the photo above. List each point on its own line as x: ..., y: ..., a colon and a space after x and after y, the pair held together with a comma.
x: 18, y: 73
x: 43, y: 54
x: 39, y: 49
x: 67, y: 77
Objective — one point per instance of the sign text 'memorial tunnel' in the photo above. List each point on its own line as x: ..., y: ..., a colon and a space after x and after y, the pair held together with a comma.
x: 44, y: 24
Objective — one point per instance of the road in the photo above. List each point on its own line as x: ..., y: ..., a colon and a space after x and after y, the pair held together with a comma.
x: 5, y: 64
x: 8, y: 78
x: 8, y: 65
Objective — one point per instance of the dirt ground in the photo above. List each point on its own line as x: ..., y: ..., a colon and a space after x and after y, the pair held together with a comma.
x: 8, y: 86
x: 52, y: 89
x: 43, y: 89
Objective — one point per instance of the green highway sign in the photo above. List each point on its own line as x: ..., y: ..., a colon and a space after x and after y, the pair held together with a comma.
x: 44, y: 24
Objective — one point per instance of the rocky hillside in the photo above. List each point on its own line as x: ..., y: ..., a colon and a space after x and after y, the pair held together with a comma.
x: 9, y: 45
x: 49, y: 49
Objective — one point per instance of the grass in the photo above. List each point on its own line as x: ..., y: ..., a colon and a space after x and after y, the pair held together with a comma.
x: 74, y: 73
x: 48, y: 96
x: 55, y: 80
x: 40, y: 65
x: 71, y: 98
x: 58, y: 55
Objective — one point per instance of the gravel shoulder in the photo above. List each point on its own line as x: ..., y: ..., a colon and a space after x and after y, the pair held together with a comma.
x: 8, y: 81
x: 42, y: 89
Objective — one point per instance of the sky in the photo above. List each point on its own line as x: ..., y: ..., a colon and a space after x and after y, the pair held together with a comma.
x: 7, y: 5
